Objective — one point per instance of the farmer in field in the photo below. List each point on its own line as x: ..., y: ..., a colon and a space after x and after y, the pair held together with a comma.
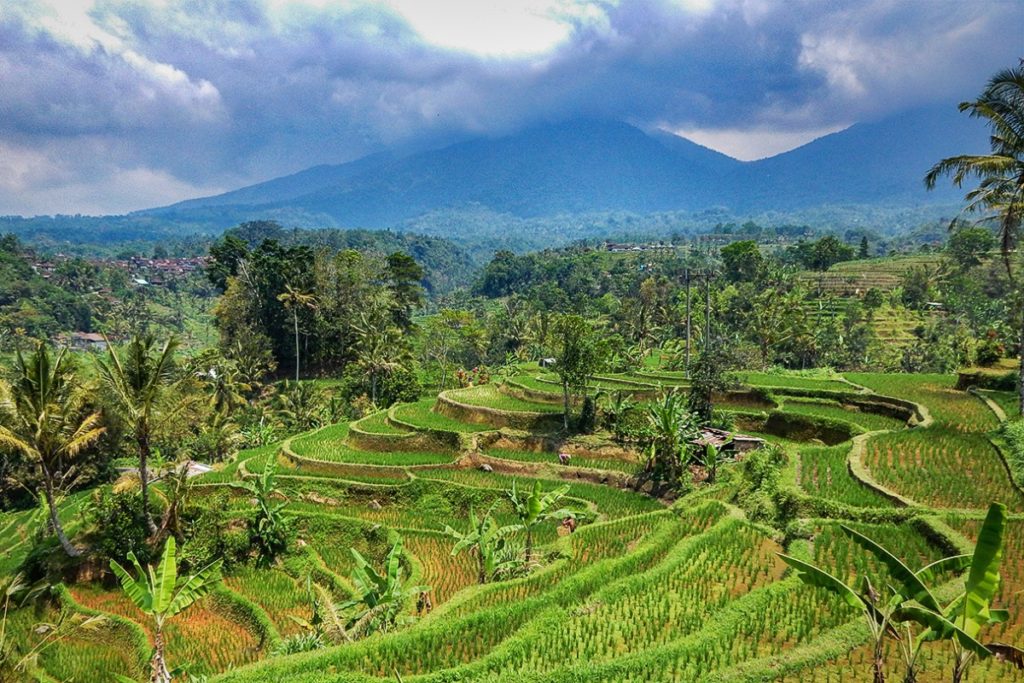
x: 564, y: 458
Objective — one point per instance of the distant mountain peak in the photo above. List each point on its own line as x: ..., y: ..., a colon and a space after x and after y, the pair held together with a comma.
x: 593, y: 164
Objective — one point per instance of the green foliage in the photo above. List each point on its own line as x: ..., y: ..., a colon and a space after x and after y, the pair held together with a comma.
x: 486, y: 540
x: 970, y: 247
x: 119, y: 525
x: 379, y: 596
x: 672, y: 429
x: 162, y: 594
x: 270, y: 531
x: 742, y: 260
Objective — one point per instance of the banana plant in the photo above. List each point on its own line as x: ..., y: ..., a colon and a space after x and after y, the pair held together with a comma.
x: 485, y: 539
x: 379, y: 596
x: 961, y: 621
x: 710, y: 458
x: 268, y: 528
x: 883, y: 614
x: 536, y: 508
x: 162, y: 594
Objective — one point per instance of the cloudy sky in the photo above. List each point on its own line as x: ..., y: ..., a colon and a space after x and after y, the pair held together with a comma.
x: 112, y: 105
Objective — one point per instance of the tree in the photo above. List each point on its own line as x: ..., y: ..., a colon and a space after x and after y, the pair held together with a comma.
x: 710, y: 459
x: 742, y: 261
x: 381, y: 350
x: 225, y: 257
x: 863, y: 252
x: 879, y: 611
x: 162, y: 594
x: 294, y: 301
x: 484, y: 539
x: 969, y: 247
x: 579, y: 356
x: 536, y: 508
x: 707, y: 377
x: 404, y: 276
x: 379, y: 597
x: 999, y: 196
x: 139, y: 382
x: 45, y: 418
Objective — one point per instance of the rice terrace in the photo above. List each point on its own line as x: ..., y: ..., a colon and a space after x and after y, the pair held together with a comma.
x: 643, y: 588
x: 546, y: 341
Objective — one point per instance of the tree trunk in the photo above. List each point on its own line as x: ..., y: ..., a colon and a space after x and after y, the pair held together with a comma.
x: 878, y: 666
x: 143, y: 441
x: 373, y: 387
x: 295, y: 316
x: 55, y: 524
x: 1020, y: 379
x: 481, y: 576
x: 565, y: 402
x: 158, y: 665
x: 529, y: 544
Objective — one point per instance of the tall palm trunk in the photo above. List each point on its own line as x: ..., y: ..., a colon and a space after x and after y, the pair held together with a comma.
x: 144, y: 453
x: 1020, y: 378
x: 55, y: 523
x: 295, y: 317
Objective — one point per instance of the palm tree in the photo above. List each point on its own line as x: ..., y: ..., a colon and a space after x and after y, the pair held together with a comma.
x: 162, y: 594
x: 138, y: 383
x: 999, y: 197
x: 380, y: 351
x: 294, y: 301
x: 45, y: 418
x: 537, y: 508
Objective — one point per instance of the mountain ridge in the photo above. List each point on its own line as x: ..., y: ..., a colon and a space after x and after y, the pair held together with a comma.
x: 588, y: 165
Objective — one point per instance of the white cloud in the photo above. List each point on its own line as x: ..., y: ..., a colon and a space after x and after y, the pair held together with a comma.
x: 490, y: 29
x: 748, y: 144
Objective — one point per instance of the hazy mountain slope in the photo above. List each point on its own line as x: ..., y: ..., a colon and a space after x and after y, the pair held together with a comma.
x: 587, y: 166
x: 868, y: 163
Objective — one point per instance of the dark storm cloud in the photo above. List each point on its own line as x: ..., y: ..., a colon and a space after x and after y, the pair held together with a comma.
x: 128, y: 104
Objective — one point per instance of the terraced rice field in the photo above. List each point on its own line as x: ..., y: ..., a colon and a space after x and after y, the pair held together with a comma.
x: 489, y: 396
x: 871, y: 422
x: 422, y: 415
x: 824, y: 473
x: 617, y: 464
x: 644, y: 590
x: 329, y: 445
x: 964, y: 469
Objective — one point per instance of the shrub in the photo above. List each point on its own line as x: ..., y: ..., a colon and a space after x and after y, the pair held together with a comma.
x: 118, y: 526
x: 587, y: 421
x: 211, y: 534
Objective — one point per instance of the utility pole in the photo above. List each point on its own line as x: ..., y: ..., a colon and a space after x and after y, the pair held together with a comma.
x: 686, y: 274
x: 707, y: 312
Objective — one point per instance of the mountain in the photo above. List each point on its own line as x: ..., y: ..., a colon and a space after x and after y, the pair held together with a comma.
x: 587, y: 166
x: 868, y: 163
